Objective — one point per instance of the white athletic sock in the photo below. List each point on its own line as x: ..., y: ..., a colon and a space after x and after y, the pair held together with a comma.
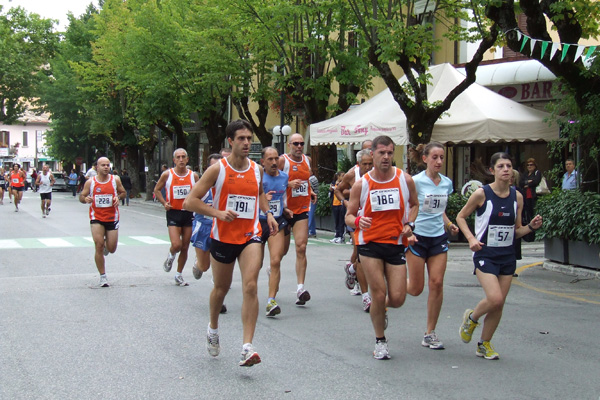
x: 171, y: 256
x: 300, y: 287
x: 103, y: 275
x: 246, y: 346
x: 211, y: 330
x: 365, y: 295
x: 177, y: 273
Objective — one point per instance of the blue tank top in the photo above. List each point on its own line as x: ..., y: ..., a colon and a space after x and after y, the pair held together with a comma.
x: 277, y: 184
x: 495, y: 226
x: 432, y: 204
x: 208, y: 199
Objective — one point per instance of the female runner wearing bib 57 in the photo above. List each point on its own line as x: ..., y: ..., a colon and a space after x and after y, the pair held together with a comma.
x: 497, y: 224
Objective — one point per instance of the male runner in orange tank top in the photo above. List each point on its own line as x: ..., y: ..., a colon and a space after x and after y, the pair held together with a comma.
x: 236, y: 232
x: 102, y: 192
x: 178, y: 182
x: 300, y: 197
x: 383, y: 207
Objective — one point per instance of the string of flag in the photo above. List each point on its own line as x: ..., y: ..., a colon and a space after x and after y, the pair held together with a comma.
x: 554, y: 47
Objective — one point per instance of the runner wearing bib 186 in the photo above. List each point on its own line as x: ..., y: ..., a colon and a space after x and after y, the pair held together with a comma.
x: 300, y: 197
x: 433, y: 189
x: 381, y: 205
x: 178, y: 182
x: 102, y: 192
x: 497, y: 224
x: 238, y: 197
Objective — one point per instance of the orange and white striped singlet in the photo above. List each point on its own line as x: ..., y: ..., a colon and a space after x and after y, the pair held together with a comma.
x: 178, y: 187
x: 298, y: 199
x: 103, y: 194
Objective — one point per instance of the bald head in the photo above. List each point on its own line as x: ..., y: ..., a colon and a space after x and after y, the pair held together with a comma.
x: 103, y: 166
x: 296, y: 145
x: 366, y: 144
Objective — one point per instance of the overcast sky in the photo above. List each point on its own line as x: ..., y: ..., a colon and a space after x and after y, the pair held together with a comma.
x: 55, y: 9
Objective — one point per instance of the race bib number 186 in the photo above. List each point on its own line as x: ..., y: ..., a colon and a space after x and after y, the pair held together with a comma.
x: 385, y: 199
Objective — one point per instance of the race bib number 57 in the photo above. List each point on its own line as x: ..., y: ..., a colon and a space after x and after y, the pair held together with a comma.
x: 500, y: 235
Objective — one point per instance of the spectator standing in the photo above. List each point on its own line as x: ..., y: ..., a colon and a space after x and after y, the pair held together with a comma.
x: 339, y: 211
x: 34, y: 176
x: 92, y: 171
x: 569, y: 181
x: 82, y: 180
x: 529, y: 181
x: 312, y: 225
x: 73, y: 181
x: 126, y: 181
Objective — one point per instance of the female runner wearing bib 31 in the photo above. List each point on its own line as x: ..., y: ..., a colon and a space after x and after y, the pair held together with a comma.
x: 497, y: 224
x: 431, y: 248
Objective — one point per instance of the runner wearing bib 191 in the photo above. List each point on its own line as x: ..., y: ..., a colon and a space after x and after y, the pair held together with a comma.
x: 433, y: 189
x: 178, y: 182
x: 497, y: 224
x: 102, y: 192
x: 382, y: 205
x: 300, y: 197
x: 236, y: 231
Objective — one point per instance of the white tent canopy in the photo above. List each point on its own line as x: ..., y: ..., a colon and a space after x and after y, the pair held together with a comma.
x: 476, y: 115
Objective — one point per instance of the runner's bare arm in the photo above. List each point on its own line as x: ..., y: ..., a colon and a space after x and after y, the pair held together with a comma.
x: 158, y: 187
x: 353, y: 206
x: 84, y: 196
x: 475, y: 201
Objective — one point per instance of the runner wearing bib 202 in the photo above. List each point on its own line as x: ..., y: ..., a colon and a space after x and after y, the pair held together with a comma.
x: 17, y: 183
x: 498, y: 208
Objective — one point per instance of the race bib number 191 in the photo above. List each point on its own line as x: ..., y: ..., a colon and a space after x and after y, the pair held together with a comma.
x: 242, y: 205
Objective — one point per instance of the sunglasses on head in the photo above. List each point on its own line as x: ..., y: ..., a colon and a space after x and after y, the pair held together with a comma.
x: 298, y: 143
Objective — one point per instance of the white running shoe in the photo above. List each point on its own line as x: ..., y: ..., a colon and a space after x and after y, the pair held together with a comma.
x: 249, y: 357
x: 212, y: 343
x: 196, y: 271
x: 103, y: 281
x: 381, y: 351
x: 366, y: 302
x: 179, y: 281
x: 356, y: 291
x: 303, y: 297
x: 432, y: 341
x: 168, y: 264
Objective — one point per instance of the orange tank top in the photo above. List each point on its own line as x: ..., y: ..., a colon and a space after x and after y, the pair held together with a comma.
x: 103, y: 194
x: 237, y: 191
x: 178, y: 187
x: 16, y: 180
x: 387, y: 204
x: 298, y: 199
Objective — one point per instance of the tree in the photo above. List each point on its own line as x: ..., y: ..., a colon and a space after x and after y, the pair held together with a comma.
x: 397, y: 34
x: 577, y: 112
x: 26, y: 43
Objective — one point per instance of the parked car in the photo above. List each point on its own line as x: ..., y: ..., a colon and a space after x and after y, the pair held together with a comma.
x: 60, y: 183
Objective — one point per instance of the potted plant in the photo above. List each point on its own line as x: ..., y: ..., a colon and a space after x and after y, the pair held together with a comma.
x: 570, y: 230
x: 456, y: 202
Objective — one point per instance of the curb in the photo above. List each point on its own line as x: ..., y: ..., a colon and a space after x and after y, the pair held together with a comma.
x: 571, y: 270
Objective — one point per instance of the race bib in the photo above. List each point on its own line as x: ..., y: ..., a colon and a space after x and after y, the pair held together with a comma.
x: 242, y: 205
x: 103, y: 200
x: 15, y: 180
x: 500, y: 235
x: 181, y: 192
x: 301, y: 190
x: 385, y: 199
x: 435, y: 203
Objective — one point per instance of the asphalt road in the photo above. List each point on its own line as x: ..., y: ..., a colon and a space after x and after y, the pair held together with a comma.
x: 144, y: 337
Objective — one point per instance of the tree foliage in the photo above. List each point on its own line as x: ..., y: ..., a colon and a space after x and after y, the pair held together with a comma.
x: 26, y: 43
x: 398, y: 34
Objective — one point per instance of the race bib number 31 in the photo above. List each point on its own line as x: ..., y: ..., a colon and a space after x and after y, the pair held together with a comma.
x: 435, y: 203
x: 500, y: 235
x: 385, y: 199
x: 103, y: 200
x: 242, y: 205
x: 181, y: 192
x: 301, y: 190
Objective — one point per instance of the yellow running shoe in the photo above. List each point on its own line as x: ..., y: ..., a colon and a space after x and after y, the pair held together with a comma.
x: 467, y: 327
x: 486, y: 350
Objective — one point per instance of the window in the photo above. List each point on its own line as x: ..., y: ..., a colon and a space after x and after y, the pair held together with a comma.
x: 25, y: 138
x: 4, y: 138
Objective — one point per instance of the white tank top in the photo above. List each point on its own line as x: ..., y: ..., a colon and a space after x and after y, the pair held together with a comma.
x: 45, y: 183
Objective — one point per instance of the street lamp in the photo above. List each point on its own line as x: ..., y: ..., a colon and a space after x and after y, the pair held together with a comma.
x: 282, y: 132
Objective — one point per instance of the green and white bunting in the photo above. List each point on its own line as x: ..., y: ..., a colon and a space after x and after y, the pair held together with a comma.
x: 529, y: 42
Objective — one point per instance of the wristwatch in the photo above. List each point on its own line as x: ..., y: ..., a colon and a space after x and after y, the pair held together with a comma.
x: 411, y: 225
